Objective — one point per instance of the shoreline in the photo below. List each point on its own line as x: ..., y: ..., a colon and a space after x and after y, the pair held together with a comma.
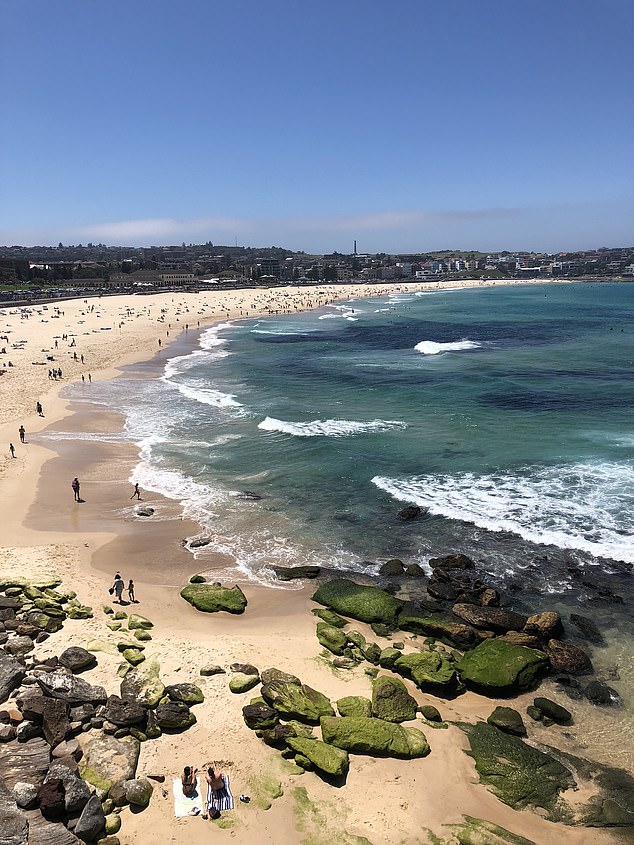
x: 100, y: 535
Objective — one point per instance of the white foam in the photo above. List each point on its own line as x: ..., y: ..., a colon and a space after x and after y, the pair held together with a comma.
x: 589, y: 507
x: 429, y: 347
x: 329, y: 428
x: 206, y: 395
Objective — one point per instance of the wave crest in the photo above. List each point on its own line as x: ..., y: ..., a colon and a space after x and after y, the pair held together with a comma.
x: 430, y: 347
x: 329, y: 428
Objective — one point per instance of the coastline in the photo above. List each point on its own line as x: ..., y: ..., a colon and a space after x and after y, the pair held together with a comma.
x: 88, y: 543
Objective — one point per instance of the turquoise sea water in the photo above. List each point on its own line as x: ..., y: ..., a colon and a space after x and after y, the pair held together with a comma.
x: 506, y: 413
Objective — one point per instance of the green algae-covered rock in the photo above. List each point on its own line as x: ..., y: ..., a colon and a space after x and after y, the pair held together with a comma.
x: 508, y: 720
x: 174, y: 715
x: 447, y: 630
x: 333, y: 761
x: 189, y: 693
x: 134, y: 656
x: 210, y: 598
x: 429, y: 670
x: 480, y: 832
x: 143, y: 683
x: 495, y: 666
x: 372, y: 653
x: 197, y: 579
x: 354, y: 705
x: 258, y: 716
x: 113, y: 823
x: 553, y: 711
x: 391, y: 701
x: 107, y: 760
x: 296, y: 701
x: 331, y: 638
x: 114, y: 626
x: 243, y: 683
x: 330, y: 617
x: 518, y: 774
x: 374, y: 737
x: 123, y: 644
x: 431, y: 713
x: 142, y: 635
x: 388, y: 657
x: 80, y: 612
x: 138, y: 792
x: 369, y: 604
x: 137, y: 622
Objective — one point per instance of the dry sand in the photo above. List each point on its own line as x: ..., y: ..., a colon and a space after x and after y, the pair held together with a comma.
x: 44, y: 532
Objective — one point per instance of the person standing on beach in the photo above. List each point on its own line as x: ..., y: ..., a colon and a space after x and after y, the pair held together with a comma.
x: 136, y: 493
x: 38, y: 408
x: 75, y: 485
x: 131, y: 591
x: 118, y: 587
x: 12, y: 450
x: 21, y: 432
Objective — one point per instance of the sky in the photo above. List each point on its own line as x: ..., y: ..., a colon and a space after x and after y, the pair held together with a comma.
x: 410, y: 125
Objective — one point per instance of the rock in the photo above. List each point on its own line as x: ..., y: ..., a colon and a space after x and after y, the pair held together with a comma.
x: 112, y: 824
x: 211, y: 598
x: 374, y: 737
x: 82, y: 713
x: 240, y: 683
x: 14, y: 825
x: 27, y: 730
x: 50, y: 797
x: 76, y: 791
x: 553, y: 710
x: 211, y: 669
x: 107, y: 760
x: 25, y: 796
x: 7, y: 732
x: 392, y: 567
x: 138, y: 792
x: 587, y: 629
x: 480, y: 832
x: 60, y: 684
x: 517, y: 773
x: 198, y: 579
x: 497, y: 667
x: 189, y: 693
x: 489, y: 597
x: 491, y: 618
x: 77, y: 659
x: 544, y: 625
x: 520, y: 638
x: 344, y: 663
x: 601, y: 694
x: 369, y: 604
x: 410, y: 512
x: 138, y: 622
x: 296, y: 701
x: 447, y: 630
x: 508, y: 720
x: 11, y: 674
x: 566, y: 657
x: 122, y: 712
x: 430, y: 671
x: 144, y: 511
x: 330, y: 617
x: 334, y: 639
x: 19, y: 646
x: 174, y: 715
x: 92, y: 821
x: 326, y: 758
x: 372, y: 653
x: 142, y: 636
x: 388, y: 657
x: 198, y: 542
x: 245, y: 669
x: 430, y: 712
x: 535, y: 714
x: 413, y: 570
x: 81, y: 612
x: 143, y: 683
x: 259, y: 716
x: 458, y: 561
x: 380, y: 629
x: 134, y: 656
x: 391, y: 701
x: 290, y: 573
x: 68, y: 749
x: 51, y: 714
x: 354, y: 705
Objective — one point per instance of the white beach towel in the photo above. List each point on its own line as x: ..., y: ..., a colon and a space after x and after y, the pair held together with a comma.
x: 220, y: 798
x: 186, y: 805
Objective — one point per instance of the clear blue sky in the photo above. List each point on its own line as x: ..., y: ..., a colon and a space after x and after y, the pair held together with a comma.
x: 409, y: 125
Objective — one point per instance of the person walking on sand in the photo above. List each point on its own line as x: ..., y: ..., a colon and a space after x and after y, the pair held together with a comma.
x: 131, y: 591
x: 118, y: 587
x: 21, y: 432
x: 38, y: 408
x: 136, y: 493
x: 12, y: 450
x: 75, y: 485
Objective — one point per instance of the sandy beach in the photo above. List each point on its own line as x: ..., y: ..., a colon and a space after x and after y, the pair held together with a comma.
x: 45, y: 532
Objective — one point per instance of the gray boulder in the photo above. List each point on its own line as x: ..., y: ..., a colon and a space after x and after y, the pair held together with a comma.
x: 60, y: 684
x: 123, y: 713
x: 14, y: 827
x: 174, y: 715
x: 77, y: 659
x: 92, y: 821
x: 138, y: 792
x: 76, y: 791
x: 107, y: 760
x: 187, y: 693
x: 491, y: 618
x: 11, y: 674
x: 25, y: 795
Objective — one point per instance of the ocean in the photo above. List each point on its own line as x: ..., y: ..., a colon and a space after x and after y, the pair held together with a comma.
x: 505, y: 413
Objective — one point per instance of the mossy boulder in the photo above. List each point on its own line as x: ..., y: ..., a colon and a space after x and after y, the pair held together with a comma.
x: 391, y: 701
x: 373, y: 737
x: 326, y: 758
x: 368, y: 604
x: 259, y: 716
x: 197, y: 579
x: 388, y: 657
x: 296, y: 701
x: 372, y: 653
x: 107, y: 760
x: 174, y: 715
x: 517, y: 773
x: 553, y: 711
x: 142, y: 636
x: 448, y: 630
x: 509, y: 720
x: 134, y: 656
x: 143, y: 683
x: 211, y: 598
x: 137, y: 622
x: 138, y: 792
x: 497, y: 667
x: 330, y: 617
x: 80, y: 612
x: 112, y: 823
x: 480, y: 832
x: 430, y: 671
x: 240, y: 682
x: 331, y: 638
x: 354, y: 705
x: 431, y: 713
x: 188, y: 693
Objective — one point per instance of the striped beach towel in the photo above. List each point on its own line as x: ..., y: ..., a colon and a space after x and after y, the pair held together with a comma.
x: 220, y: 798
